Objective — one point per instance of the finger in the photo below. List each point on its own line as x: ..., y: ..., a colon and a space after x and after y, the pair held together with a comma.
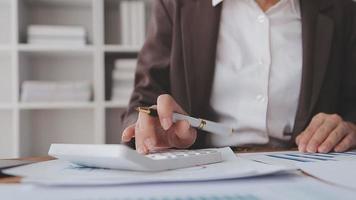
x: 181, y: 135
x: 348, y: 142
x: 166, y: 105
x: 321, y: 134
x: 145, y: 136
x: 297, y: 139
x: 128, y: 133
x: 305, y: 136
x: 334, y: 138
x: 185, y: 132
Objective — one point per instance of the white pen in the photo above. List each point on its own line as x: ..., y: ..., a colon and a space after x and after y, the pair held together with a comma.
x: 201, y: 124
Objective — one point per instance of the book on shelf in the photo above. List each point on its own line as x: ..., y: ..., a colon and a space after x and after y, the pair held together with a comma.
x: 51, y: 30
x: 133, y: 22
x: 123, y: 76
x: 48, y: 91
x: 56, y: 35
x: 125, y: 64
x: 122, y: 93
x: 57, y: 41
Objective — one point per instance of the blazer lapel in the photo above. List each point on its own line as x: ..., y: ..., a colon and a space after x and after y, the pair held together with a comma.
x: 317, y: 33
x: 200, y: 28
x: 323, y: 42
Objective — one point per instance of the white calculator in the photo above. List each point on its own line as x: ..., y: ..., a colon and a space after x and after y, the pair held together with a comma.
x: 122, y: 157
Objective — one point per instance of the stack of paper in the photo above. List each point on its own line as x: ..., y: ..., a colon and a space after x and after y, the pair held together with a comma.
x: 123, y: 79
x: 133, y: 22
x: 42, y: 91
x: 56, y: 35
x: 59, y: 172
x: 291, y: 187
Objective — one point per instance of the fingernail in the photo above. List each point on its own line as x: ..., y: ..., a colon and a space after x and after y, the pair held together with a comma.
x: 123, y: 137
x: 311, y: 149
x: 338, y: 149
x: 149, y: 143
x: 166, y: 123
x: 301, y: 148
x: 321, y: 149
x: 140, y: 150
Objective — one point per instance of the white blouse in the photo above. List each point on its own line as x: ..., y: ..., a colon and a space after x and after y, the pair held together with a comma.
x: 258, y: 71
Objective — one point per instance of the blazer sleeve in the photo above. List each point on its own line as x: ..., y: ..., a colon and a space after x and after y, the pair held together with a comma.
x: 348, y: 90
x: 152, y: 72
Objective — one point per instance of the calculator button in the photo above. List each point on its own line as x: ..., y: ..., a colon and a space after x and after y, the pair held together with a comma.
x: 176, y: 154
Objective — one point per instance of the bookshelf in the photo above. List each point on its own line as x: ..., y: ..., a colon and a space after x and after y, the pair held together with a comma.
x: 27, y: 129
x: 5, y: 22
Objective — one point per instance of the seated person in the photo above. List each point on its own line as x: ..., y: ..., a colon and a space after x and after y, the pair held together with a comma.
x: 280, y: 72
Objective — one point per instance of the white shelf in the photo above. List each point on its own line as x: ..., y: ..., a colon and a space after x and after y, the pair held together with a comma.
x: 8, y: 143
x: 5, y: 48
x: 43, y: 48
x: 6, y: 84
x: 116, y: 104
x: 55, y: 12
x: 56, y: 66
x: 52, y: 106
x: 121, y: 49
x: 29, y: 128
x: 40, y: 128
x: 69, y: 3
x: 4, y: 106
x: 5, y: 21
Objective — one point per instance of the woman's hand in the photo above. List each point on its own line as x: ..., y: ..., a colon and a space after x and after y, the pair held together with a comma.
x: 327, y: 133
x: 152, y: 133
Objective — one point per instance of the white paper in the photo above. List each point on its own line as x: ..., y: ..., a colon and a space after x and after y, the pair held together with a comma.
x: 342, y: 173
x: 59, y: 172
x: 336, y: 168
x: 291, y: 187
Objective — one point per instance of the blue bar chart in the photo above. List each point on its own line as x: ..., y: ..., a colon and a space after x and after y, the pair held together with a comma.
x: 313, y: 157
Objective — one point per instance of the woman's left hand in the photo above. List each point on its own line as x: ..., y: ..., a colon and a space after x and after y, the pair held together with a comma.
x: 327, y: 133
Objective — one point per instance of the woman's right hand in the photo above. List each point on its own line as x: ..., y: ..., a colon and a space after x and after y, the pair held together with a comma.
x: 151, y: 133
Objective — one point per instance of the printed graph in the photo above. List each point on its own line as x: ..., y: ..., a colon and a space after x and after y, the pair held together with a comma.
x: 314, y: 157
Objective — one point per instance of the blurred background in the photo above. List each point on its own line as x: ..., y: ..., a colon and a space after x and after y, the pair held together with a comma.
x: 66, y: 71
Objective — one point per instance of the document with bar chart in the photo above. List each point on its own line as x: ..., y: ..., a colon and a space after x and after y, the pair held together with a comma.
x: 336, y: 168
x: 295, y: 158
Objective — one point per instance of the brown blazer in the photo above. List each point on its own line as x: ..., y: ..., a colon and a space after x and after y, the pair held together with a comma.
x: 178, y: 58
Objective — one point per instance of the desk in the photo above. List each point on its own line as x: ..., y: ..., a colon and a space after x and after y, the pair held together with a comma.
x: 16, y: 180
x: 294, y: 185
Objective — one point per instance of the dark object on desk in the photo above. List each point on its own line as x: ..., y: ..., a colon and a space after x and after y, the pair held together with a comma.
x: 5, y: 164
x: 10, y: 179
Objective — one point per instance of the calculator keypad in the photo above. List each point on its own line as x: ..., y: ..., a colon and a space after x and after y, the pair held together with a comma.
x: 173, y: 154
